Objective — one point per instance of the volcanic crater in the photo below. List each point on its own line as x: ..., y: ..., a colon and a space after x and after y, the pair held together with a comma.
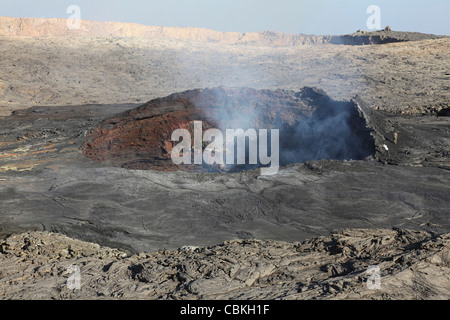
x: 311, y: 125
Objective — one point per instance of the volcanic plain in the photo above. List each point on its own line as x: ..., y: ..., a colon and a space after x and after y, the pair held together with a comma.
x: 85, y: 176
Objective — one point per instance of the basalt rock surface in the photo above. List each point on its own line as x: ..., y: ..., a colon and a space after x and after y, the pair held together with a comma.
x: 411, y: 265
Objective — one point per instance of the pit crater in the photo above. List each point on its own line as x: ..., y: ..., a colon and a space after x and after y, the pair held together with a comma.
x: 312, y: 126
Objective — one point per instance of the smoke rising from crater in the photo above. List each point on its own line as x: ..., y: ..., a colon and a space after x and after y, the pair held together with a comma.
x: 334, y: 130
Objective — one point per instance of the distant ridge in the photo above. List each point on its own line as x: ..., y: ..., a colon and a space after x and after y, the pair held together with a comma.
x: 36, y: 27
x: 58, y: 27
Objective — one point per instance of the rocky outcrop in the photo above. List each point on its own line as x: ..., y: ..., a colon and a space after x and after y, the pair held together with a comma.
x: 406, y: 264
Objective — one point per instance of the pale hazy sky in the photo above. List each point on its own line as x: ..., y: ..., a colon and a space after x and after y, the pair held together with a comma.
x: 292, y: 16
